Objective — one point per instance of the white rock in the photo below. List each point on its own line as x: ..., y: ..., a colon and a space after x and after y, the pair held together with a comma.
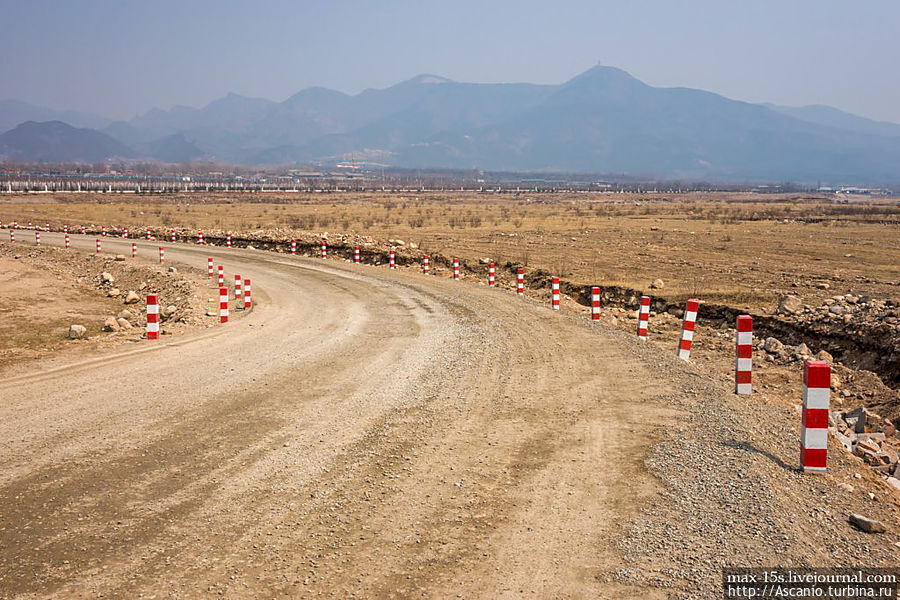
x: 77, y: 332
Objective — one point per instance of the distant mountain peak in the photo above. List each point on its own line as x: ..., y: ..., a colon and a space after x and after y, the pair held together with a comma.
x: 427, y: 79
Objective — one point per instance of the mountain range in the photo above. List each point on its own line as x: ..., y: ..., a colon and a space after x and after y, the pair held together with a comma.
x: 601, y: 121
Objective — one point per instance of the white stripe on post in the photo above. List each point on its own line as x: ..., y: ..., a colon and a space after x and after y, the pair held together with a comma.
x: 223, y: 305
x: 687, y: 329
x: 814, y: 423
x: 152, y: 316
x: 743, y: 356
x: 644, y: 318
x: 555, y: 297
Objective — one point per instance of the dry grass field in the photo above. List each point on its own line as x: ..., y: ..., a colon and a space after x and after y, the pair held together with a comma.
x: 744, y: 250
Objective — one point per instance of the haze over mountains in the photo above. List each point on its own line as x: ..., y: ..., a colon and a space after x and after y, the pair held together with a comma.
x: 602, y: 121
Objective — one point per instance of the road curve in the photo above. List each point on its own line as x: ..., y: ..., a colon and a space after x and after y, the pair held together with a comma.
x: 359, y: 433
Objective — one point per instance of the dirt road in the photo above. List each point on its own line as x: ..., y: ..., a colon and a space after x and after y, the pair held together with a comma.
x: 360, y: 433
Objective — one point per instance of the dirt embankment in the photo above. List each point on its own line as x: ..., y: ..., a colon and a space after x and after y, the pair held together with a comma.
x: 47, y: 290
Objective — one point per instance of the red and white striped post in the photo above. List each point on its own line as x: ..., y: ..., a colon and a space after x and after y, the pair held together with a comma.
x: 173, y: 236
x: 238, y: 289
x: 246, y: 294
x: 221, y: 276
x: 223, y: 305
x: 425, y: 264
x: 103, y: 231
x: 37, y: 237
x: 391, y: 258
x: 687, y: 329
x: 595, y: 303
x: 125, y: 233
x: 520, y: 281
x: 12, y: 236
x: 455, y: 268
x: 209, y: 267
x: 293, y: 246
x: 492, y: 279
x: 743, y: 358
x: 152, y: 316
x: 356, y: 255
x: 162, y: 255
x: 228, y: 240
x: 133, y: 249
x: 200, y: 239
x: 46, y: 226
x: 99, y: 247
x: 65, y: 228
x: 148, y: 235
x: 324, y: 250
x: 83, y: 230
x: 555, y: 289
x: 30, y: 226
x: 643, y: 318
x: 67, y: 241
x: 814, y: 426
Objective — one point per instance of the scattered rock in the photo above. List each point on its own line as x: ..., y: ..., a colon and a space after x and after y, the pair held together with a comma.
x: 894, y: 482
x: 169, y: 311
x: 110, y: 324
x: 657, y: 284
x: 773, y: 346
x: 132, y: 298
x: 107, y: 277
x: 789, y: 304
x: 866, y: 524
x: 77, y: 332
x: 120, y: 257
x: 413, y: 245
x: 123, y: 323
x: 846, y: 487
x: 836, y: 382
x: 126, y: 314
x: 822, y: 355
x: 114, y: 293
x: 837, y: 309
x: 823, y: 285
x: 172, y: 270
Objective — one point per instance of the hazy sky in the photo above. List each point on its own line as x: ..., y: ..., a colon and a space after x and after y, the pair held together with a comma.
x: 119, y: 58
